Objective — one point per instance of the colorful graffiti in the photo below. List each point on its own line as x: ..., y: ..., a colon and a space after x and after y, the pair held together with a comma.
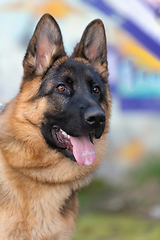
x: 137, y: 52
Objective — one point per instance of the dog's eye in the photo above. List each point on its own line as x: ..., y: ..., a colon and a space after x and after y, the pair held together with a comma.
x: 61, y: 88
x: 96, y: 89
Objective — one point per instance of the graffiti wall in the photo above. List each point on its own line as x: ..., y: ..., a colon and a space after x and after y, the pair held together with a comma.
x: 133, y: 37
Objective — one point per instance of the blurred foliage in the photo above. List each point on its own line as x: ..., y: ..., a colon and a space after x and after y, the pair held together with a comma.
x: 90, y: 196
x: 96, y: 188
x: 115, y: 227
x: 149, y: 170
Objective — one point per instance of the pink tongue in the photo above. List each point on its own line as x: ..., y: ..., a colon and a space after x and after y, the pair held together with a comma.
x: 83, y: 150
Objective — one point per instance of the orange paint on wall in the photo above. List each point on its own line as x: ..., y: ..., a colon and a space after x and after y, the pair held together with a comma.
x: 57, y: 8
x: 132, y: 151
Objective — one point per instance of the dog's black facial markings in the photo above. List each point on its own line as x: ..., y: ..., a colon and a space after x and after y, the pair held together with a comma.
x: 56, y: 138
x: 74, y: 92
x: 70, y: 72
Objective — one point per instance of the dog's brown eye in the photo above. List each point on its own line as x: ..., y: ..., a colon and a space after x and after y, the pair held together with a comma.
x: 96, y: 90
x: 61, y: 88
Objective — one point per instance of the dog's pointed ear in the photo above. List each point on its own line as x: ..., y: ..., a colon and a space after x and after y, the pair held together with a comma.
x: 45, y: 46
x: 93, y: 45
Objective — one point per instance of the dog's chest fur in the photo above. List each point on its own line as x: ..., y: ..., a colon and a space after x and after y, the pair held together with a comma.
x: 34, y: 216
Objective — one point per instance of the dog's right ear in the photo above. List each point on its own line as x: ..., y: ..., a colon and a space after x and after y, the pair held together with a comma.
x: 45, y: 46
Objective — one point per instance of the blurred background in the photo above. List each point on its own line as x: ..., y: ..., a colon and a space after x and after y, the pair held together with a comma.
x: 123, y: 202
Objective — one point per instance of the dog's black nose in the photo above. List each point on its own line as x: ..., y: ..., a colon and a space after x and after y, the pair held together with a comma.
x: 95, y: 117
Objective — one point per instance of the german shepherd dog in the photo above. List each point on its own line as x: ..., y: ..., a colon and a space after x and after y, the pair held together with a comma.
x: 53, y: 133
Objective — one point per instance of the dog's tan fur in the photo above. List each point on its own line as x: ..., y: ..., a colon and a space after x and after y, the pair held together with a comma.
x: 38, y: 185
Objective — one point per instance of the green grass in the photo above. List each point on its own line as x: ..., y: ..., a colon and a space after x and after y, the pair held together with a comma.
x: 115, y: 227
x: 101, y: 225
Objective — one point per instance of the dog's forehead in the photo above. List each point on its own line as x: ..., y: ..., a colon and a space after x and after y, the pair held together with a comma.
x: 75, y: 67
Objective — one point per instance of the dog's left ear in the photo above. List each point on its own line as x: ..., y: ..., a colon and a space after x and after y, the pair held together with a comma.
x: 45, y: 46
x: 93, y: 45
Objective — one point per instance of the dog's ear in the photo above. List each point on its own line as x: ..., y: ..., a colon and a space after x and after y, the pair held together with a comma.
x: 93, y: 45
x: 45, y: 46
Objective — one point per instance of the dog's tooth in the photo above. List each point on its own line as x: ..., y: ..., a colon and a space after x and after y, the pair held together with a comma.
x: 64, y: 133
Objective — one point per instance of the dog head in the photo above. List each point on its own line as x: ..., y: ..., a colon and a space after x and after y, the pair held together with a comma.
x: 69, y: 96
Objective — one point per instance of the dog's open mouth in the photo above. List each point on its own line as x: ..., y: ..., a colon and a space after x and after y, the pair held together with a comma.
x: 80, y: 147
